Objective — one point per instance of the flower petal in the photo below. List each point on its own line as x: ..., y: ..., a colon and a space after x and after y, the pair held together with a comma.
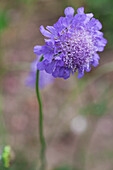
x: 51, y: 29
x: 80, y: 74
x: 69, y: 11
x: 95, y: 23
x: 56, y: 72
x: 62, y: 72
x: 31, y: 79
x: 50, y: 67
x: 67, y: 74
x: 45, y: 79
x: 95, y: 62
x: 100, y: 43
x: 45, y: 32
x: 38, y: 49
x: 90, y: 15
x: 48, y: 56
x: 88, y: 69
x: 41, y: 65
x: 80, y: 10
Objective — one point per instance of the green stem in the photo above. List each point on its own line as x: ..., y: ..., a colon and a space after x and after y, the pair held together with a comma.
x: 42, y: 140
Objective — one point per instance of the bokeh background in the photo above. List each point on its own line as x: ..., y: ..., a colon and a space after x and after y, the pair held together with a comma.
x: 78, y: 114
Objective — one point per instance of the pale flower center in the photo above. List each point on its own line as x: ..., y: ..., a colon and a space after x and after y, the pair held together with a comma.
x: 77, y: 50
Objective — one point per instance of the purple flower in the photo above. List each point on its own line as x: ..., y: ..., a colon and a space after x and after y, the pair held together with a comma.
x: 44, y: 78
x: 72, y: 44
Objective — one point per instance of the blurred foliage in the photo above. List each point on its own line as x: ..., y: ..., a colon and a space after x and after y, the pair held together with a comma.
x: 20, y: 163
x: 64, y: 167
x: 97, y: 109
x: 3, y: 20
x: 27, y: 1
x: 103, y: 10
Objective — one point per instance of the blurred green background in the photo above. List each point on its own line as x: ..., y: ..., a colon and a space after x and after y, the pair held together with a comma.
x: 78, y: 114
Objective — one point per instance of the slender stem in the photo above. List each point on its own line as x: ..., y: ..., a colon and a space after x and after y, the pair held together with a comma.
x: 42, y: 140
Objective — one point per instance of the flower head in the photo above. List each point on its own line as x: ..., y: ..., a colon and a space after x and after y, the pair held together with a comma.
x: 44, y: 78
x: 72, y: 44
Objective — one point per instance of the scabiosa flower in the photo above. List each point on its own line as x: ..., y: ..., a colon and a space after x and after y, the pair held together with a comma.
x: 72, y: 44
x: 44, y: 78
